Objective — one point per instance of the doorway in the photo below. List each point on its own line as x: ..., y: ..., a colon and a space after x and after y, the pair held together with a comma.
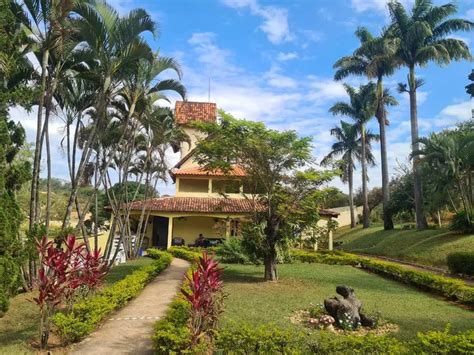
x: 160, y: 232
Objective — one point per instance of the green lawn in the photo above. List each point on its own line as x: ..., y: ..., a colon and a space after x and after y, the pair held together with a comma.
x: 256, y: 302
x: 428, y: 247
x: 20, y: 323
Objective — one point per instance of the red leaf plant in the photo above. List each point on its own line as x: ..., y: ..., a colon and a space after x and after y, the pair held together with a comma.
x: 64, y: 273
x: 205, y: 296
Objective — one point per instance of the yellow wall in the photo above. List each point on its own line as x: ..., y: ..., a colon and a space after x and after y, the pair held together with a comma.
x: 191, y: 225
x: 189, y: 228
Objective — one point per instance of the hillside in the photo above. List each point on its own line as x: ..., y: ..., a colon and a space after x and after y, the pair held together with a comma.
x: 429, y: 247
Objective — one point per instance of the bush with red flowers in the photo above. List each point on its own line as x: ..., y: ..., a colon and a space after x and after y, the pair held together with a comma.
x: 204, y: 293
x: 64, y: 273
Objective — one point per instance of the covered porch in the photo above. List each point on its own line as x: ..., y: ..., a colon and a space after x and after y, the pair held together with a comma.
x: 163, y: 230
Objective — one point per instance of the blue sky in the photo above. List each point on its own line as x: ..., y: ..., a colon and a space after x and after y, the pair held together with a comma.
x: 272, y: 61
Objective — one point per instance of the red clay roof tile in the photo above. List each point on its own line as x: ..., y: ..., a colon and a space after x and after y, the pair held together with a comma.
x: 198, y: 171
x: 187, y: 111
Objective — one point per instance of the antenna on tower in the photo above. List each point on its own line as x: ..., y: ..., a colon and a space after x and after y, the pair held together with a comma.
x: 209, y: 91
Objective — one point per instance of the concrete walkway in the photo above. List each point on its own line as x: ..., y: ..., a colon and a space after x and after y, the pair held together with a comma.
x: 130, y: 329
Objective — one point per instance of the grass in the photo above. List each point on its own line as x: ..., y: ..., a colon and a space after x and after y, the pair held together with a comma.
x: 429, y: 247
x: 256, y: 302
x: 118, y: 272
x: 20, y: 323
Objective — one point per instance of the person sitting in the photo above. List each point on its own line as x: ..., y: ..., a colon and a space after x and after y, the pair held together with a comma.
x: 200, y: 241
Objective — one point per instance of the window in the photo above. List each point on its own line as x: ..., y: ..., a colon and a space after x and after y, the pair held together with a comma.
x: 226, y: 186
x: 234, y: 228
x: 193, y: 185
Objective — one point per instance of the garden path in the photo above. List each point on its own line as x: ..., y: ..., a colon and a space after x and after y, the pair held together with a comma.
x: 130, y: 329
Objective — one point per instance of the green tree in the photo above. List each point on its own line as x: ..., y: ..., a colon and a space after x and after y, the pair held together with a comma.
x: 470, y: 87
x: 361, y: 109
x: 375, y: 59
x: 14, y: 75
x: 287, y: 200
x: 422, y: 37
x: 449, y: 156
x: 348, y: 149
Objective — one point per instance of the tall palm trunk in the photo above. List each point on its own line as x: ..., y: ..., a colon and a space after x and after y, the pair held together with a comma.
x: 37, y: 157
x: 365, y: 212
x: 418, y: 188
x: 381, y: 117
x: 351, y: 195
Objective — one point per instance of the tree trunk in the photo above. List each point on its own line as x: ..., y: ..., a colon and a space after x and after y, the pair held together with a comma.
x: 418, y: 188
x: 48, y: 164
x: 351, y: 195
x: 381, y: 116
x: 37, y: 156
x: 270, y: 268
x: 366, y: 211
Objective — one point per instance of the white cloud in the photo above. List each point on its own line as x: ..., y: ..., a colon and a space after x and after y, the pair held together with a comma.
x: 377, y: 5
x: 277, y: 80
x: 283, y: 57
x: 452, y: 114
x: 323, y: 90
x: 275, y: 19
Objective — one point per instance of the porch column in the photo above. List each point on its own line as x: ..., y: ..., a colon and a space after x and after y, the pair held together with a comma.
x: 227, y: 228
x: 330, y: 246
x: 170, y: 232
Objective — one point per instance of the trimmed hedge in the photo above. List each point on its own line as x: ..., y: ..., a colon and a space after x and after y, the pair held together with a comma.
x: 453, y: 289
x: 88, y: 313
x: 461, y: 263
x: 186, y: 253
x: 172, y: 334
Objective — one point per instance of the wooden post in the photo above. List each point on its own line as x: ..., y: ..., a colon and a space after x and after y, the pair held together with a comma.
x: 170, y: 232
x: 209, y: 187
x: 330, y: 246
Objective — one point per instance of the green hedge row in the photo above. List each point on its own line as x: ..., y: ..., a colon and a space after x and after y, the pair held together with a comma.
x: 461, y: 262
x: 86, y: 315
x: 171, y: 333
x: 451, y: 288
x: 186, y: 253
x: 268, y: 339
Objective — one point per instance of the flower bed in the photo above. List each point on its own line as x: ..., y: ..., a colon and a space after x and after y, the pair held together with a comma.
x: 86, y: 315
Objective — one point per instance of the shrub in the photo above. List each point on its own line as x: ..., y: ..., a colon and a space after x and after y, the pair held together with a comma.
x: 171, y: 332
x: 232, y: 252
x: 4, y: 303
x: 266, y: 339
x: 205, y: 296
x: 185, y: 253
x: 436, y: 342
x: 328, y: 343
x: 448, y: 287
x: 461, y: 223
x: 87, y: 314
x: 62, y: 272
x: 461, y: 263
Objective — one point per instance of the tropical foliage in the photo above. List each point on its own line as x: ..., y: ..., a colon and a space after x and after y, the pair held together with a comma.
x: 286, y: 196
x: 412, y: 39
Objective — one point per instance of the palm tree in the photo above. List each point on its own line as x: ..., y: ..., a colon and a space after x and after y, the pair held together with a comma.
x: 422, y: 38
x: 361, y: 109
x: 110, y: 45
x: 374, y: 59
x: 349, y: 149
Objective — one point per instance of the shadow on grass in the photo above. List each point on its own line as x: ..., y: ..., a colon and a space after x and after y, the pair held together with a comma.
x: 239, y: 276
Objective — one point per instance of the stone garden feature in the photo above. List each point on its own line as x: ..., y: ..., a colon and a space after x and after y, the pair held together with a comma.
x: 346, y: 310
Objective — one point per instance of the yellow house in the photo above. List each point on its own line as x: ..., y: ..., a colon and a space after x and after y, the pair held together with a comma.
x: 207, y: 203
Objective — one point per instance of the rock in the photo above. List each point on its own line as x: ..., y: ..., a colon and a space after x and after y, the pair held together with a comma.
x: 347, y: 309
